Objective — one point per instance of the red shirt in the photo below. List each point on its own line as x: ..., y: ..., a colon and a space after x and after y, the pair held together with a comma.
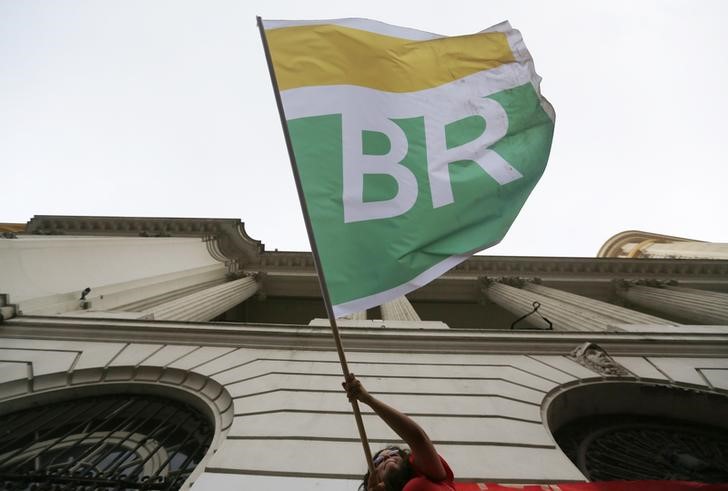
x: 420, y: 483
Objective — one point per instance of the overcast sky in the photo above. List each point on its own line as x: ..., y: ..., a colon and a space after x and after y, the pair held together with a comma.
x: 165, y: 108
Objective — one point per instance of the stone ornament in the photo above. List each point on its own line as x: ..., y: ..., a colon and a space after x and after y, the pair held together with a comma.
x: 596, y: 359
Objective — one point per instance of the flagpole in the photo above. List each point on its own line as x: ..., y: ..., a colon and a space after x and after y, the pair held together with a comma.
x: 314, y: 248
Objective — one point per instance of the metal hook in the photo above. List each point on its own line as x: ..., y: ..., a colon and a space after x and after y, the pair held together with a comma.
x: 536, y: 306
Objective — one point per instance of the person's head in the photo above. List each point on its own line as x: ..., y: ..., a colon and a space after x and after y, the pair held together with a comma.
x: 392, y: 466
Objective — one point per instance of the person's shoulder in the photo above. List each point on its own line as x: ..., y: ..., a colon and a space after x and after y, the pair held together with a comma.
x: 421, y: 483
x: 448, y: 471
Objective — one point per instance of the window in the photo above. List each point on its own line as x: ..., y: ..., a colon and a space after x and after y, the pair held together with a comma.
x: 120, y: 441
x: 621, y: 430
x: 629, y: 447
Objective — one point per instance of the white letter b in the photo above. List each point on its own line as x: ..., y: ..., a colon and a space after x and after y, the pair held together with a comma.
x: 357, y: 165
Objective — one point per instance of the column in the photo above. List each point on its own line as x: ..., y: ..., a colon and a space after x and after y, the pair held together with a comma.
x: 206, y: 304
x: 399, y: 309
x: 564, y: 316
x: 723, y: 297
x: 120, y: 271
x: 618, y: 314
x: 357, y: 316
x: 684, y: 303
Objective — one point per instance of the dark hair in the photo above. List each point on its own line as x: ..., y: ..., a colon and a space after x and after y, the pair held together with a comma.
x: 395, y: 481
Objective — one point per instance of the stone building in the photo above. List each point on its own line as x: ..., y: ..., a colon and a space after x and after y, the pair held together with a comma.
x: 181, y: 353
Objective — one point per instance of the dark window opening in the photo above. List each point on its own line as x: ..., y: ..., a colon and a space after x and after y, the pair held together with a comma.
x: 120, y: 442
x: 632, y: 447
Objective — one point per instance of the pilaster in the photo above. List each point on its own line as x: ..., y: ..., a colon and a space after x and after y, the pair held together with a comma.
x: 564, y: 316
x: 619, y: 314
x: 205, y: 305
x: 688, y: 304
x: 399, y: 309
x: 357, y: 316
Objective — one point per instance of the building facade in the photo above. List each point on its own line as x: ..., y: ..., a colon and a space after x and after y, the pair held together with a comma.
x: 179, y: 352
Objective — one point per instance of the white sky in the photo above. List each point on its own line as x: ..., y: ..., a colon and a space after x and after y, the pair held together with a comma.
x: 165, y: 108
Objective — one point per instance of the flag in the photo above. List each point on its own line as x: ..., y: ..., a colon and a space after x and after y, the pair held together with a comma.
x: 414, y: 150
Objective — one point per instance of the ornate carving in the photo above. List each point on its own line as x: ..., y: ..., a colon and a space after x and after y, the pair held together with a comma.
x: 546, y: 267
x: 543, y: 267
x: 287, y: 260
x: 621, y: 283
x: 656, y: 283
x: 596, y: 359
x: 513, y: 281
x: 260, y: 277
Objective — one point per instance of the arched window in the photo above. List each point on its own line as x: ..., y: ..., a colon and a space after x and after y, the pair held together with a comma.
x: 634, y: 431
x: 115, y: 441
x: 629, y: 447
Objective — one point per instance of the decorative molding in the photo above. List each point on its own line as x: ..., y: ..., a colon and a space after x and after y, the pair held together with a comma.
x: 595, y: 358
x: 261, y: 278
x: 543, y: 268
x: 227, y: 241
x: 513, y: 281
x: 278, y: 260
x: 613, y: 246
x: 274, y: 336
x: 225, y: 238
x: 645, y: 282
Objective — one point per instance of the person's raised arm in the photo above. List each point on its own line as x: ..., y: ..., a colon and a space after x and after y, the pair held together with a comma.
x: 426, y: 458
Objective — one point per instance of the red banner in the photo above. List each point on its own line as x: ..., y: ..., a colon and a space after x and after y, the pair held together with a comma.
x: 596, y: 486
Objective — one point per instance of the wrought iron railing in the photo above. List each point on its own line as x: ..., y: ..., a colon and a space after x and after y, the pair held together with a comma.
x: 126, y: 441
x: 630, y: 447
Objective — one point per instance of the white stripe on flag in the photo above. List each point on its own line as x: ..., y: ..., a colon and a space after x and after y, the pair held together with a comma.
x: 334, y: 99
x: 418, y: 281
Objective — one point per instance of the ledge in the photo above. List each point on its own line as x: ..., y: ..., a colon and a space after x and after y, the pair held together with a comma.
x: 298, y: 337
x: 226, y: 237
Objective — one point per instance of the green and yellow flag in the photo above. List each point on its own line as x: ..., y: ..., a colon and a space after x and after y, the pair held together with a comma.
x: 414, y: 150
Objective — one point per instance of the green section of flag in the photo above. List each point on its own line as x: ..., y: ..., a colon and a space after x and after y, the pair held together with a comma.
x: 367, y: 257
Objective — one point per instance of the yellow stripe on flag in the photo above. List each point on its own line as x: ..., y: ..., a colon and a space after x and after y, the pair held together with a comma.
x: 303, y: 56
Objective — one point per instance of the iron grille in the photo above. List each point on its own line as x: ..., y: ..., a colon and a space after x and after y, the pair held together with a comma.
x: 119, y: 442
x: 628, y: 447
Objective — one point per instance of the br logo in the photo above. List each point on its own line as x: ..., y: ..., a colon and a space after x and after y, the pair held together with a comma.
x: 357, y: 164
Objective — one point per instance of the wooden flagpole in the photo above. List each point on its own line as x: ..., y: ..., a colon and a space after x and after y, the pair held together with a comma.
x: 314, y: 248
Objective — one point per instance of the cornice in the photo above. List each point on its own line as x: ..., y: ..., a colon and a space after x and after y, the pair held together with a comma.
x: 545, y: 267
x: 539, y: 267
x: 452, y: 341
x: 226, y: 237
x: 227, y: 241
x: 285, y: 260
